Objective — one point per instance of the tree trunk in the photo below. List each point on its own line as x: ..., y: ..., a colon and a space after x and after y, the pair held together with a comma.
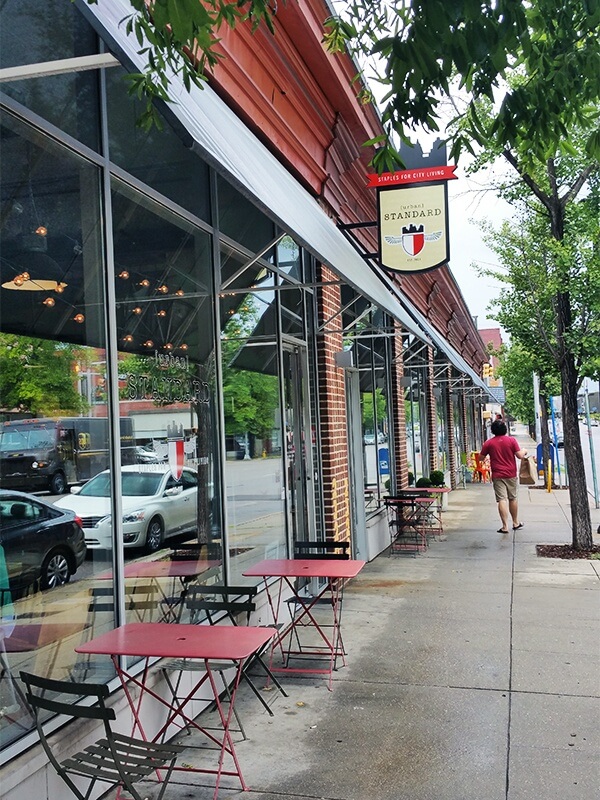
x: 580, y: 507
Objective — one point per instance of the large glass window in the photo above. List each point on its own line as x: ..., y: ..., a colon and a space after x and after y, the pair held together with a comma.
x: 34, y: 32
x: 253, y: 425
x: 157, y: 157
x: 163, y: 272
x: 54, y: 433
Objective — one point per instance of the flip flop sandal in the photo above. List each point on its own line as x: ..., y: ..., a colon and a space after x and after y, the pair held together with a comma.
x: 501, y: 530
x: 517, y: 527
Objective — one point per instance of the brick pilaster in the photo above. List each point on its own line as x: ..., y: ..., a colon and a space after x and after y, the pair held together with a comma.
x: 332, y: 401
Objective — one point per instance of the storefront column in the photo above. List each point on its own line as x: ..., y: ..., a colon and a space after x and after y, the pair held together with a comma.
x: 452, y: 457
x: 332, y: 400
x: 399, y: 412
x: 432, y: 426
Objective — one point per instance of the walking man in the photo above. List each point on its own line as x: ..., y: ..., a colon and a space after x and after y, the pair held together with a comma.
x: 502, y: 450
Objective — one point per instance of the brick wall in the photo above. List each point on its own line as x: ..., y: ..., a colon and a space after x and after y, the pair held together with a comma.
x: 332, y: 400
x: 398, y: 412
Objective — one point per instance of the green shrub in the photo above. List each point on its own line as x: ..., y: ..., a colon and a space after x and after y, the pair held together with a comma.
x: 423, y: 483
x: 411, y: 479
x: 436, y: 476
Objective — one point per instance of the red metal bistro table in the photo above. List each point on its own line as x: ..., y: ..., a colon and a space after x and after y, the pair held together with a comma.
x: 184, y: 571
x: 335, y: 572
x: 151, y: 640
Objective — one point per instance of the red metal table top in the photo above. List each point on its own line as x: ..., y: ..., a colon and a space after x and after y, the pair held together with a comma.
x: 176, y: 640
x: 305, y: 568
x: 32, y: 636
x: 162, y: 569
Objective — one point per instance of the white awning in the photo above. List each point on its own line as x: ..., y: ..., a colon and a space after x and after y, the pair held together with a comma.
x: 232, y: 149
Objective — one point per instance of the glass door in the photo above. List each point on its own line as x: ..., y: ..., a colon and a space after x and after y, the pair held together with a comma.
x: 298, y: 443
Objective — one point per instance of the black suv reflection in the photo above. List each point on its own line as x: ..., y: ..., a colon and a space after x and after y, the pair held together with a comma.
x: 42, y: 544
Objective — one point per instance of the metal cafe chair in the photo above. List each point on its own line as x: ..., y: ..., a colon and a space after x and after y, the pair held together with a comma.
x: 215, y: 602
x: 313, y: 549
x: 338, y: 550
x: 120, y: 761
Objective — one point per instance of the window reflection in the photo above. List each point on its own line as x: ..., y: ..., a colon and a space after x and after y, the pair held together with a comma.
x: 167, y: 378
x: 55, y: 433
x: 70, y: 100
x: 253, y: 430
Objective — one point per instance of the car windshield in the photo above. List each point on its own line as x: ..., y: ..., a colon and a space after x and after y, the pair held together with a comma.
x: 12, y: 439
x: 133, y: 484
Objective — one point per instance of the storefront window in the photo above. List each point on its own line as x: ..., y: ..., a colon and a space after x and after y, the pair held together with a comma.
x: 253, y: 426
x: 163, y: 274
x: 413, y: 427
x: 54, y: 433
x: 157, y: 157
x: 33, y: 33
x: 243, y: 222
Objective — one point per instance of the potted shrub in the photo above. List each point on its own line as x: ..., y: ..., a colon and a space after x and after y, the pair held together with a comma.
x: 436, y: 477
x: 423, y: 483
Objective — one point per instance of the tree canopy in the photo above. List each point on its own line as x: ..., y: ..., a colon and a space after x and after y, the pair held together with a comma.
x: 38, y: 376
x: 421, y: 51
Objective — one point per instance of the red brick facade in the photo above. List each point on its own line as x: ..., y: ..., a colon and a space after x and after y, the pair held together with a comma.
x: 332, y: 401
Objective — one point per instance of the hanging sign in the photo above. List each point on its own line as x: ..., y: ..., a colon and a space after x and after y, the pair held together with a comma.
x: 412, y: 210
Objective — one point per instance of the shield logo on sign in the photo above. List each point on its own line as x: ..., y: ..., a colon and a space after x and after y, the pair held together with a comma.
x: 175, y: 449
x: 176, y: 457
x: 413, y: 239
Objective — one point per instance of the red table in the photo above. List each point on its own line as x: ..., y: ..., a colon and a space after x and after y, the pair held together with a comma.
x: 408, y: 513
x: 438, y: 493
x: 335, y: 572
x: 150, y: 640
x: 185, y: 571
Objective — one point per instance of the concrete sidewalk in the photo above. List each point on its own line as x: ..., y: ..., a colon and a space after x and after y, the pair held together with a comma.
x: 473, y: 674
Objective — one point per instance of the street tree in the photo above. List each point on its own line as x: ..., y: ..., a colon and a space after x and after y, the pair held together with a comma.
x: 550, y: 303
x: 38, y: 376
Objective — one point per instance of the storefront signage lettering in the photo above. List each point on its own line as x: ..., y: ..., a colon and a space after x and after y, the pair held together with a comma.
x: 441, y: 173
x: 168, y: 361
x: 164, y: 388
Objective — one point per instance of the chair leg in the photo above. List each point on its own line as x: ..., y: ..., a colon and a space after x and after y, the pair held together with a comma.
x: 270, y: 675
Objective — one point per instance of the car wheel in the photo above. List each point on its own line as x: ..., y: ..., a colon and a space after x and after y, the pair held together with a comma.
x: 56, y: 570
x: 58, y: 483
x: 154, y: 535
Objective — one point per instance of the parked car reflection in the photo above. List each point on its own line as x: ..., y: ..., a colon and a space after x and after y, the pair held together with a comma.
x: 42, y: 544
x: 155, y: 506
x: 145, y: 454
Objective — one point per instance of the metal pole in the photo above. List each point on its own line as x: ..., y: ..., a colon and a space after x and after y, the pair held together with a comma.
x: 586, y: 400
x: 536, y: 404
x: 555, y: 440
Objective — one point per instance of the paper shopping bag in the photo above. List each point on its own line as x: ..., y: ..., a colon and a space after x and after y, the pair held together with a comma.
x: 527, y: 472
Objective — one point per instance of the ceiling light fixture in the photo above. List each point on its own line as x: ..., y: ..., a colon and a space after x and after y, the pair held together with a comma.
x: 33, y: 269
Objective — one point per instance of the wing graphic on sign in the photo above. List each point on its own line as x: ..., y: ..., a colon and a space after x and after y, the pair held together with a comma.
x: 429, y: 237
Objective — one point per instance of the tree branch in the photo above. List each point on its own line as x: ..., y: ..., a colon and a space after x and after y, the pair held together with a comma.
x: 528, y: 180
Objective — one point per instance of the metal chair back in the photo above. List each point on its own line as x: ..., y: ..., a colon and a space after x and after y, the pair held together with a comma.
x: 115, y: 759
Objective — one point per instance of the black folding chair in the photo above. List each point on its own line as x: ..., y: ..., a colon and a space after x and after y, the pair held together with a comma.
x: 120, y: 761
x: 214, y: 603
x: 331, y: 549
x: 314, y: 549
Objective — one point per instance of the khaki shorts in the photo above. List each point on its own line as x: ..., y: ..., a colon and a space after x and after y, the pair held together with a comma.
x: 505, y: 488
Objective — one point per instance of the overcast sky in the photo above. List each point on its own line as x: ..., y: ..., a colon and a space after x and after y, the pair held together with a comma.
x: 468, y: 204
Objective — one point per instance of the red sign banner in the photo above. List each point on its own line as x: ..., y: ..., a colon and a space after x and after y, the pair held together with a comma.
x: 407, y: 176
